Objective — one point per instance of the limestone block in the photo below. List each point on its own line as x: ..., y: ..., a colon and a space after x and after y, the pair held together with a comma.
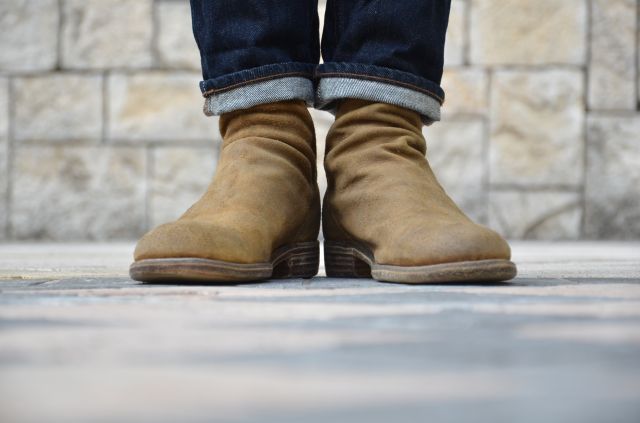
x: 456, y: 152
x: 176, y: 46
x: 528, y: 32
x: 612, y: 70
x: 322, y: 122
x: 4, y: 154
x: 158, y: 106
x: 454, y: 49
x: 78, y: 193
x: 29, y: 35
x: 537, y: 120
x: 58, y: 107
x: 550, y: 215
x: 466, y: 91
x: 613, y: 178
x: 180, y: 176
x: 106, y: 34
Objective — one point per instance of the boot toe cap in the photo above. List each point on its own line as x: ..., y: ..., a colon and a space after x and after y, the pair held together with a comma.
x: 456, y: 243
x: 472, y: 242
x: 195, y: 239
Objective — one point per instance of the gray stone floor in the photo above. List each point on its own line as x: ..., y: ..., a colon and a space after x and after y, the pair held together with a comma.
x: 80, y: 342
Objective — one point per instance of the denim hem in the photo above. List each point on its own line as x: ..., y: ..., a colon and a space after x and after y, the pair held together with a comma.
x: 238, y: 79
x: 268, y: 91
x: 381, y: 74
x: 330, y: 90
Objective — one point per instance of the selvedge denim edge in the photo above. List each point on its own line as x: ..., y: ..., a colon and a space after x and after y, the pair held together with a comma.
x: 259, y: 85
x: 330, y: 90
x: 374, y: 83
x: 253, y: 94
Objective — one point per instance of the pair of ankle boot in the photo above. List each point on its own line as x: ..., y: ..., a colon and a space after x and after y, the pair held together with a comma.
x: 384, y: 214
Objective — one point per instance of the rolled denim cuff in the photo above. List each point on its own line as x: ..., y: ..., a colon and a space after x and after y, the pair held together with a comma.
x: 264, y: 84
x: 352, y: 80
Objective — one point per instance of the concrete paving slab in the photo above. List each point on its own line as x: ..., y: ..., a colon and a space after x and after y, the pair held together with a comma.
x: 80, y: 341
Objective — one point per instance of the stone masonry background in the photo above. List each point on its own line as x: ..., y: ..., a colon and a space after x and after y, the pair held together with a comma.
x: 102, y: 134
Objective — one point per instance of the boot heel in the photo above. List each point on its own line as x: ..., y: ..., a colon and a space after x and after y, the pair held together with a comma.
x: 301, y: 260
x: 343, y: 261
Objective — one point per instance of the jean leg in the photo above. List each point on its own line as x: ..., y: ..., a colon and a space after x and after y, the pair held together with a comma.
x: 255, y: 51
x: 383, y: 50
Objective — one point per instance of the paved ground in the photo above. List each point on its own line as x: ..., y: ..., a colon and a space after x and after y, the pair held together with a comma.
x: 80, y: 342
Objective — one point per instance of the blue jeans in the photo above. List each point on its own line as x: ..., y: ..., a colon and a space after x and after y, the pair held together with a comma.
x: 260, y: 51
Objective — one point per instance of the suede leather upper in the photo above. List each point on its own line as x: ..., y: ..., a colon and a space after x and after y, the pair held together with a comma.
x: 383, y: 194
x: 264, y: 194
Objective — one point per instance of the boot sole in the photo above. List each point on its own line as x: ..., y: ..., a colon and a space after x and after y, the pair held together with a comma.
x: 345, y: 260
x: 300, y: 260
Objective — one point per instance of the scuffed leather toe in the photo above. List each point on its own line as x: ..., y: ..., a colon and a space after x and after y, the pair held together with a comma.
x: 416, y: 246
x: 190, y: 238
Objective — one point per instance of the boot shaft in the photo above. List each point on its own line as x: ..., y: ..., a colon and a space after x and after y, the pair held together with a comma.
x: 360, y: 122
x: 287, y: 122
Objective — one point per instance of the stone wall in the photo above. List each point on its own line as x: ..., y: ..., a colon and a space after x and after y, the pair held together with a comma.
x: 102, y: 134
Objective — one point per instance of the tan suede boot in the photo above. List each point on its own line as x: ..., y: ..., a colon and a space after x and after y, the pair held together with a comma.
x: 260, y: 216
x: 385, y: 215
